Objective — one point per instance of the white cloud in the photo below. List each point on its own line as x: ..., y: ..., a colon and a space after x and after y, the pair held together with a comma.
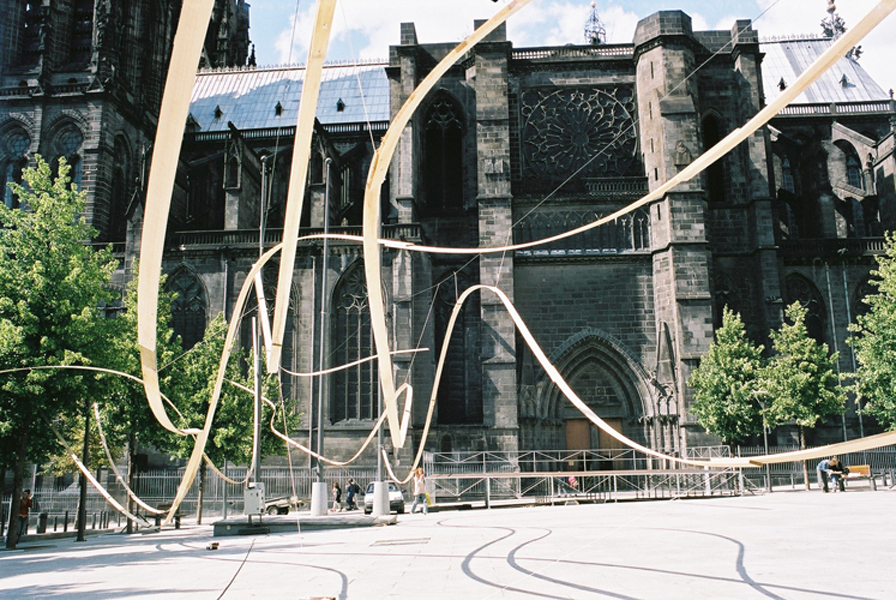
x: 375, y: 25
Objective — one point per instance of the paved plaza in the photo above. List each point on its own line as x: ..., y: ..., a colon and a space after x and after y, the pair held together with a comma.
x: 793, y: 545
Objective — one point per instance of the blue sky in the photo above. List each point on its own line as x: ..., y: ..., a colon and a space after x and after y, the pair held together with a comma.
x: 366, y: 28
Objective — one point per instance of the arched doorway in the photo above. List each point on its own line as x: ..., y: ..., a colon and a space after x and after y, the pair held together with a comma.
x: 613, y: 385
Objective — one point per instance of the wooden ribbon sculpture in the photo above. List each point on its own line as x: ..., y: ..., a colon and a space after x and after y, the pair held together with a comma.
x: 194, y: 19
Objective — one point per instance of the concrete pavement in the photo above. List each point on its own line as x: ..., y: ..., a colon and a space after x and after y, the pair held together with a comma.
x: 794, y: 545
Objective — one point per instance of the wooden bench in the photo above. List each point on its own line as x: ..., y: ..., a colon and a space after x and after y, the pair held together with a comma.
x: 859, y: 472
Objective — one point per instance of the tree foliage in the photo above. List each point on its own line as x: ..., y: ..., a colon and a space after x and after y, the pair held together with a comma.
x: 801, y: 379
x: 232, y: 433
x: 874, y: 341
x: 725, y: 382
x: 51, y: 287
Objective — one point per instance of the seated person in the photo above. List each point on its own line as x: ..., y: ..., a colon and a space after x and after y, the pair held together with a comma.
x: 838, y: 472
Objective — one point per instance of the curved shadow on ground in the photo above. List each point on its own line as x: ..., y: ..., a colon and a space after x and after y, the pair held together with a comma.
x: 466, y: 565
x: 514, y: 562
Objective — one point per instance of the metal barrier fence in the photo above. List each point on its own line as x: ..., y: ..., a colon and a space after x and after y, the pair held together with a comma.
x: 541, y: 475
x: 881, y: 460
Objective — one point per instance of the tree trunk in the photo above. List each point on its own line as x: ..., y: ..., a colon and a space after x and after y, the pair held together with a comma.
x: 132, y: 442
x: 17, y: 483
x: 805, y: 462
x: 202, y: 471
x: 82, y: 479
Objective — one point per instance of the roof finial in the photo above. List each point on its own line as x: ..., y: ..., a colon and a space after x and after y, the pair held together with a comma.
x: 834, y: 26
x: 595, y: 32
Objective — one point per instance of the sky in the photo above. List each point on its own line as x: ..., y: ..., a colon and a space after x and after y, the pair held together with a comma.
x: 364, y: 29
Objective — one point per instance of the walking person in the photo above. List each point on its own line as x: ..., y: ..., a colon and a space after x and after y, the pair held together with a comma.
x: 419, y: 491
x: 336, y: 492
x: 25, y: 504
x: 351, y: 490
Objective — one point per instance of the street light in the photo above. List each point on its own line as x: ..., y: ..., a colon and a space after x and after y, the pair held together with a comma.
x: 768, y: 477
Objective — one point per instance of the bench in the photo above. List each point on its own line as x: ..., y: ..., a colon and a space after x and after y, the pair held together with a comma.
x: 859, y: 472
x: 165, y: 508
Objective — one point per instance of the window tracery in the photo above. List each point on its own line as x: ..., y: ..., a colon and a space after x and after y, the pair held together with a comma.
x: 68, y: 144
x: 13, y: 159
x: 798, y: 288
x: 443, y: 155
x: 188, y: 310
x: 586, y: 132
x: 459, y: 397
x: 629, y: 233
x: 354, y: 389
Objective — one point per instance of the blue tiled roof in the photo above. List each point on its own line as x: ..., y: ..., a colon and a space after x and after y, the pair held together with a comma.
x: 787, y: 58
x: 248, y: 97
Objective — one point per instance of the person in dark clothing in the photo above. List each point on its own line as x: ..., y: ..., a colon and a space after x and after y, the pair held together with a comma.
x: 351, y: 490
x: 25, y: 504
x: 830, y: 468
x: 838, y: 472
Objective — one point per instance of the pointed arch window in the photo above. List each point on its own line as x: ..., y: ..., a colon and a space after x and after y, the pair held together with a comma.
x: 68, y: 144
x: 13, y: 160
x: 798, y: 288
x: 443, y: 156
x: 29, y: 49
x: 82, y: 32
x: 354, y: 390
x: 854, y: 176
x: 715, y: 173
x: 188, y: 310
x: 119, y: 201
x: 459, y: 398
x: 787, y: 175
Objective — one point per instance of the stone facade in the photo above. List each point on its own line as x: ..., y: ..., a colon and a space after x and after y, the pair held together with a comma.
x: 513, y: 145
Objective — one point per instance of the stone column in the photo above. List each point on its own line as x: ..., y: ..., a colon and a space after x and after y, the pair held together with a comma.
x: 499, y: 385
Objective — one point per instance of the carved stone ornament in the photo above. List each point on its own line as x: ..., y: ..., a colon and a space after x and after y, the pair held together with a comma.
x: 586, y: 132
x: 682, y: 155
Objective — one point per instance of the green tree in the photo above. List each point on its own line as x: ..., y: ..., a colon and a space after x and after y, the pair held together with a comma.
x: 725, y: 383
x: 801, y: 380
x: 232, y: 432
x: 51, y: 287
x: 874, y: 341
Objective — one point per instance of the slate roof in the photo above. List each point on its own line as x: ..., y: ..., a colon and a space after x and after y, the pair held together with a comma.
x: 248, y: 97
x: 787, y: 58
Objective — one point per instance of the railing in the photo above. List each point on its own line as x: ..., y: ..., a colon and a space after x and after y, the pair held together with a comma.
x: 850, y: 247
x: 566, y: 52
x: 588, y: 486
x: 839, y: 108
x: 285, y: 132
x: 881, y: 460
x: 249, y: 237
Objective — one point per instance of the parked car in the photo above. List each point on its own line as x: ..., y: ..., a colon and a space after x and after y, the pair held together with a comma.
x: 396, y: 499
x: 282, y: 505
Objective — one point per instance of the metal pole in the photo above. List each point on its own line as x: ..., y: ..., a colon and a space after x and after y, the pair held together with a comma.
x: 380, y: 433
x: 323, y: 324
x: 311, y: 461
x: 768, y: 474
x: 852, y: 351
x: 827, y: 275
x: 262, y: 210
x: 319, y: 488
x: 256, y: 437
x: 82, y: 480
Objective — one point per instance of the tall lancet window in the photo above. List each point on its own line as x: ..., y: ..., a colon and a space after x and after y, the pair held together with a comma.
x: 443, y: 156
x: 354, y: 392
x: 13, y: 159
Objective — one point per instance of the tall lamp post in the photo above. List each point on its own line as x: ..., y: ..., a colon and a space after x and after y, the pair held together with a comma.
x: 319, y: 487
x: 768, y: 476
